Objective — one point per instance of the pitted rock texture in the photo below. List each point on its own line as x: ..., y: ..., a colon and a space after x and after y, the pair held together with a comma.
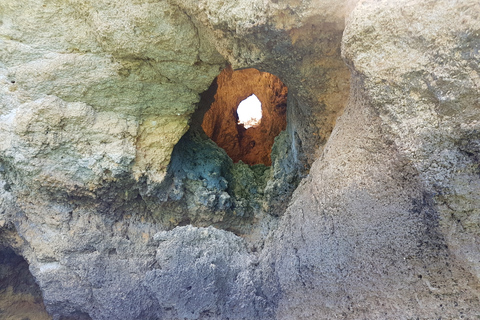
x: 250, y: 145
x: 212, y: 275
x: 430, y: 103
x: 367, y: 243
x: 379, y: 229
x: 104, y: 166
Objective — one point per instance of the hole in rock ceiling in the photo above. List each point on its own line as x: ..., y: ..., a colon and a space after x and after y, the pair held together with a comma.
x: 250, y: 112
x: 249, y: 141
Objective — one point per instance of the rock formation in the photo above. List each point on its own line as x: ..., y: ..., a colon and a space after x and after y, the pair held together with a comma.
x: 124, y: 208
x: 250, y: 145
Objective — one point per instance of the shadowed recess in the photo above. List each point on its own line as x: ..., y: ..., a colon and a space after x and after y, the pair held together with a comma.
x: 20, y: 296
x: 243, y: 141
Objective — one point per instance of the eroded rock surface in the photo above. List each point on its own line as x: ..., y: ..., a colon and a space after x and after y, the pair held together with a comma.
x: 109, y: 187
x: 430, y: 103
x: 378, y: 229
x: 212, y: 275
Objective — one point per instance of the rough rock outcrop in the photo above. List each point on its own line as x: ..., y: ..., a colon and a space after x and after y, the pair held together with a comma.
x: 427, y: 95
x: 104, y: 166
x: 113, y: 58
x: 204, y: 263
x: 379, y: 229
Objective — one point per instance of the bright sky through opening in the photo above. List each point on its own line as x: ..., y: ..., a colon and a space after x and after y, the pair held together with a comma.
x: 249, y: 112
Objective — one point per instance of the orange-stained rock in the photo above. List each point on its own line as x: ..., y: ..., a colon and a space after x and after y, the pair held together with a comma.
x: 252, y: 145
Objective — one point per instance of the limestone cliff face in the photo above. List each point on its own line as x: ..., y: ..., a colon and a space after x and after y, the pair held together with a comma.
x: 125, y: 209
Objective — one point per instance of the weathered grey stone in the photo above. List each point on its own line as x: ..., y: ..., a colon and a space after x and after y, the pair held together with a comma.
x: 95, y: 96
x: 426, y: 93
x: 371, y: 233
x: 203, y: 273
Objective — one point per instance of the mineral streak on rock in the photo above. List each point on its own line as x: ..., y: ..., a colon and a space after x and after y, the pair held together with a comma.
x: 124, y: 208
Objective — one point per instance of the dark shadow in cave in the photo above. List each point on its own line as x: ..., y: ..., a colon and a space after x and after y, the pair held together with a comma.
x: 20, y: 296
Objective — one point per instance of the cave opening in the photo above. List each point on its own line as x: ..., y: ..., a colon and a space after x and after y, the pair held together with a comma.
x: 224, y: 172
x: 248, y: 140
x: 249, y: 112
x: 20, y: 296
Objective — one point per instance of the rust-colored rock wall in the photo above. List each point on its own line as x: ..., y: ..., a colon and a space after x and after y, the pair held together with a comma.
x: 252, y: 145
